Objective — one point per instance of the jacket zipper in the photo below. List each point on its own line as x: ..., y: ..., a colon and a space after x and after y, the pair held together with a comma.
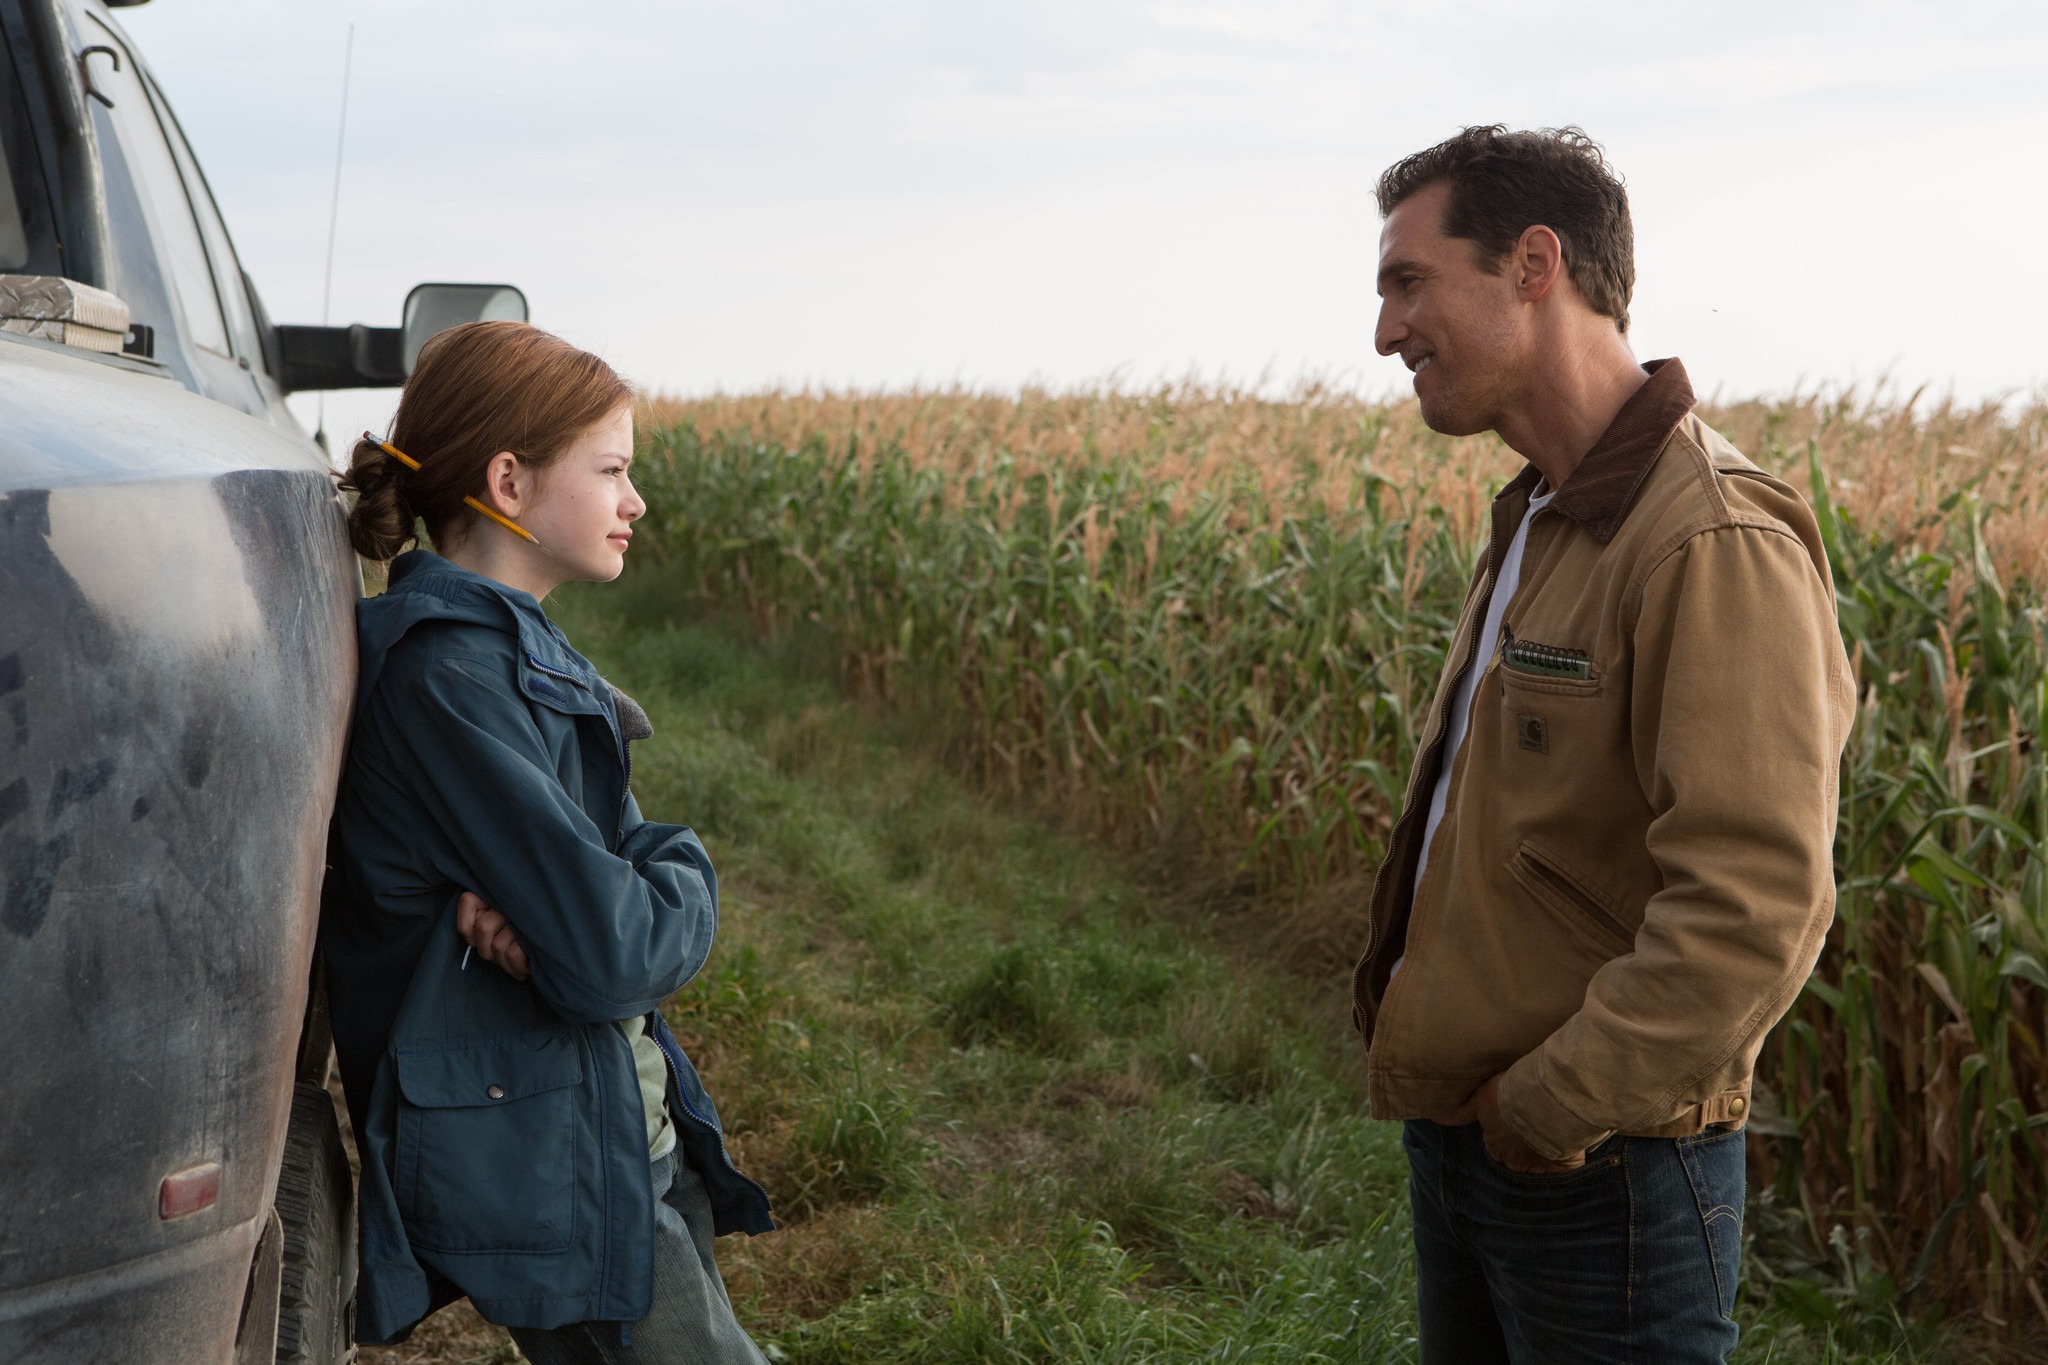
x: 556, y: 672
x: 1432, y: 756
x: 603, y: 1164
x: 626, y: 757
x: 717, y: 1132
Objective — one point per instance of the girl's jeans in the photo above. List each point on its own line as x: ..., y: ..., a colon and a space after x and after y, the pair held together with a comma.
x: 1632, y: 1258
x: 691, y: 1322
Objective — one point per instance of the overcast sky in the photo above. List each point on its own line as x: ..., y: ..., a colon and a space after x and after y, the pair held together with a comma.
x: 723, y: 194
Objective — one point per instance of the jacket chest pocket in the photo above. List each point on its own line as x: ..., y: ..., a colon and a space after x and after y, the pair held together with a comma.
x: 1551, y: 702
x: 487, y: 1143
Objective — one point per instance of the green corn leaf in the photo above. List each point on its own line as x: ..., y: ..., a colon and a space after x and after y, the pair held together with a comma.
x: 2027, y: 968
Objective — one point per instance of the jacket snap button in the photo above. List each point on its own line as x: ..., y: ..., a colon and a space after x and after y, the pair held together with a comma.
x: 496, y: 1092
x: 1735, y: 1106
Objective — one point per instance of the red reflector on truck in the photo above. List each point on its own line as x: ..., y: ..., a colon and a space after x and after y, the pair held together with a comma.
x: 189, y: 1190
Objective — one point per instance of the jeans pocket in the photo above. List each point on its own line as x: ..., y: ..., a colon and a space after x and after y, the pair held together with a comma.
x: 1714, y: 1167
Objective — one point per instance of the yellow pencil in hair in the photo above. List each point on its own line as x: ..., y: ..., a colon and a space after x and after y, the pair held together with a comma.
x: 410, y: 463
x: 514, y: 527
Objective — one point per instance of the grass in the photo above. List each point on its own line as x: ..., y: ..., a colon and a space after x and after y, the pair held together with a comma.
x: 976, y: 1067
x: 1015, y: 1103
x: 1203, y: 624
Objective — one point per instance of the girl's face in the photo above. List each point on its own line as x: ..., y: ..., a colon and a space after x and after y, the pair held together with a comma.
x: 584, y: 504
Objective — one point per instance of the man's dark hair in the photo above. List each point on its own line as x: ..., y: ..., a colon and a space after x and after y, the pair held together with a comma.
x: 1503, y: 183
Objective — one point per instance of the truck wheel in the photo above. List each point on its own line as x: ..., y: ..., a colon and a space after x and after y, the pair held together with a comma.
x: 316, y: 1200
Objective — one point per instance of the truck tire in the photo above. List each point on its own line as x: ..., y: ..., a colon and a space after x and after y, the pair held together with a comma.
x: 316, y: 1200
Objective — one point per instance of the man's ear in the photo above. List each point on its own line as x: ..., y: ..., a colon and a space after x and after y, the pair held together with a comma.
x: 508, y: 483
x: 1538, y: 260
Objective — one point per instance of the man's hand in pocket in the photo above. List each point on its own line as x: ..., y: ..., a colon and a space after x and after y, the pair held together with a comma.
x: 1503, y: 1143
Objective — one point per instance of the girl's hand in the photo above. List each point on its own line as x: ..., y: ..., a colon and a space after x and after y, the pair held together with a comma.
x: 490, y: 934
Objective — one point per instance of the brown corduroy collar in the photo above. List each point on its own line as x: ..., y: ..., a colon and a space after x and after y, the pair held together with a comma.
x: 1599, y: 491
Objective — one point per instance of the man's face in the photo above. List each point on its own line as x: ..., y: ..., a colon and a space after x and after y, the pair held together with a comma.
x: 1456, y: 326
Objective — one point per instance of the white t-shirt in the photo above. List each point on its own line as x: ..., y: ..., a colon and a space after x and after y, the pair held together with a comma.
x: 1504, y: 587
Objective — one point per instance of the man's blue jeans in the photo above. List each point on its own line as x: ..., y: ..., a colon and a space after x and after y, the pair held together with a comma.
x: 1631, y: 1259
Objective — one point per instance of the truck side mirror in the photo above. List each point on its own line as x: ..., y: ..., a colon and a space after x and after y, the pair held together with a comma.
x: 431, y: 309
x: 360, y: 357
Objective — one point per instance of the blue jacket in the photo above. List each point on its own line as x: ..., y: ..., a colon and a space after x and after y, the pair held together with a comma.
x: 504, y: 1150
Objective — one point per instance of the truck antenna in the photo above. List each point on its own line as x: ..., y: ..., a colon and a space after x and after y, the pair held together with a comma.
x: 348, y: 53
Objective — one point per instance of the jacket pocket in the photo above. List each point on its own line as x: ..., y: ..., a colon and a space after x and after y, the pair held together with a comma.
x: 487, y: 1143
x: 1551, y: 881
x: 1531, y: 667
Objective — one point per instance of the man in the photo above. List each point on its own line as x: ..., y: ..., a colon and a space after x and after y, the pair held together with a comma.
x: 1613, y: 870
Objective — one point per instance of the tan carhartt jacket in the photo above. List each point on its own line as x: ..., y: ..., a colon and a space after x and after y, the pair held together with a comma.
x: 1634, y: 870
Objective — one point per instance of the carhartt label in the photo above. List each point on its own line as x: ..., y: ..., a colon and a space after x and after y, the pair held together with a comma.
x: 1532, y: 733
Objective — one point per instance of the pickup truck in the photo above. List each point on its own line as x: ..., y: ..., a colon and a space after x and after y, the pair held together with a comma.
x: 176, y: 668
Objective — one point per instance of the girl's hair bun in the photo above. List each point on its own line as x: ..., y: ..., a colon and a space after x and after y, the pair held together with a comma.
x: 382, y: 522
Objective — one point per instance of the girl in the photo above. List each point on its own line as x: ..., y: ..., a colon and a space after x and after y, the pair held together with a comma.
x: 501, y: 926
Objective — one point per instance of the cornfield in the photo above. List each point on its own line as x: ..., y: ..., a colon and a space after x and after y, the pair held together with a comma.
x: 1201, y: 609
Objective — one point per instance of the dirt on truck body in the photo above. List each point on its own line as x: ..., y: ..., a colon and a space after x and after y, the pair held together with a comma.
x: 176, y: 668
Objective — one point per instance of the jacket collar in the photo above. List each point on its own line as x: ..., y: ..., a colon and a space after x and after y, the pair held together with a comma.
x: 1600, y: 491
x: 423, y: 586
